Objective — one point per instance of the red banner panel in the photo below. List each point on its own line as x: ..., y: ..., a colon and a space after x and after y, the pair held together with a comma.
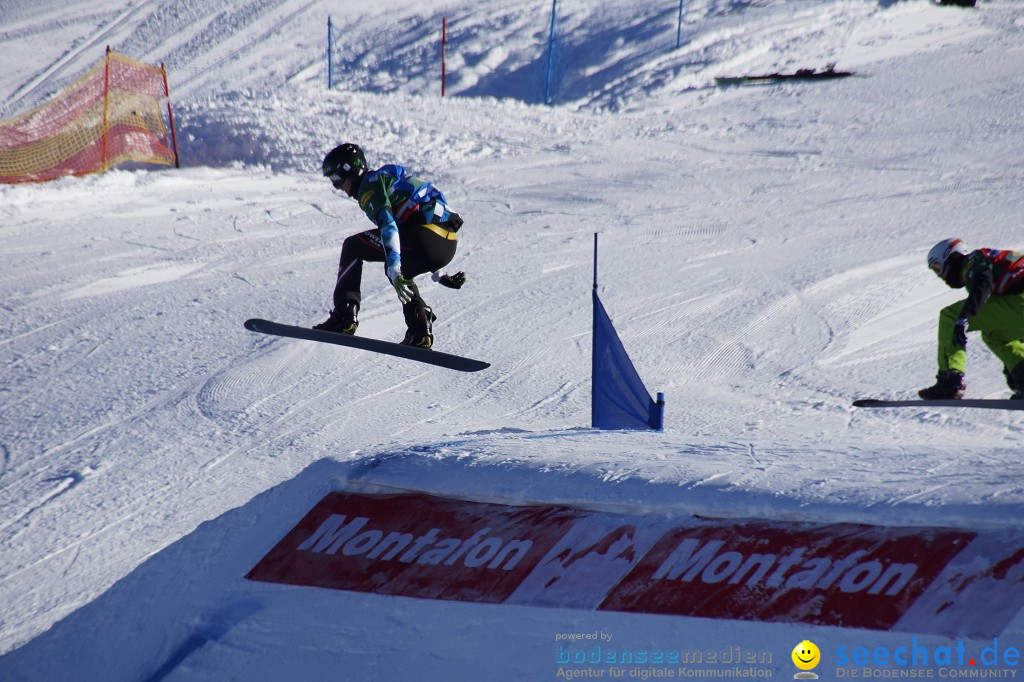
x: 843, y: 575
x: 589, y: 561
x: 416, y: 546
x: 928, y: 580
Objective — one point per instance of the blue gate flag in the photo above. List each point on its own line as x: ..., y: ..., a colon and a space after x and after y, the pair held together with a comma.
x: 619, y: 399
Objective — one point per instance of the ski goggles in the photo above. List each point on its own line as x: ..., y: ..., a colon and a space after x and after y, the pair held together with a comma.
x: 338, y: 181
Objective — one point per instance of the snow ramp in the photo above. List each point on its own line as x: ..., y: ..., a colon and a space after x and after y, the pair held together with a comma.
x: 499, y: 556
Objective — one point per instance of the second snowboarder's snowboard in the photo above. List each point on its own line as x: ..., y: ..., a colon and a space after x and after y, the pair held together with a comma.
x: 430, y: 357
x: 976, y: 402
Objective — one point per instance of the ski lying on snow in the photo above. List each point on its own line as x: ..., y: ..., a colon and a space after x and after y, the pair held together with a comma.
x: 970, y: 402
x: 430, y: 357
x: 800, y: 75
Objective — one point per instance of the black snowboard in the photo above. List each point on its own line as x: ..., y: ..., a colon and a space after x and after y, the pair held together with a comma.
x: 430, y: 357
x: 976, y: 402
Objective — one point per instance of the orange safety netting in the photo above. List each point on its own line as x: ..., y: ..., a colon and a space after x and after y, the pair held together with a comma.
x: 110, y: 115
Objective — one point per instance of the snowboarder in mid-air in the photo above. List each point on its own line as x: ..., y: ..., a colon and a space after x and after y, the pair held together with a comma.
x: 994, y: 281
x: 415, y: 234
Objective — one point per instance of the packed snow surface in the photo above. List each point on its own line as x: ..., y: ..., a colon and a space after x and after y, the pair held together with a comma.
x: 762, y: 257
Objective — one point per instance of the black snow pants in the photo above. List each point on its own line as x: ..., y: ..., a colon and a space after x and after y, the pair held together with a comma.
x: 425, y: 248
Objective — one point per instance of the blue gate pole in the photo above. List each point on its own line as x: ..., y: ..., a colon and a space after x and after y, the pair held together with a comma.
x: 551, y: 50
x: 330, y: 54
x: 679, y: 30
x: 658, y: 422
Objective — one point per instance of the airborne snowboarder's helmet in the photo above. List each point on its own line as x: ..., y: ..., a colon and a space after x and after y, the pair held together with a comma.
x: 344, y: 162
x: 939, y: 256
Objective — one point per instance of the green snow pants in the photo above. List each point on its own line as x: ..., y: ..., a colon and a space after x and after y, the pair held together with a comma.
x: 1001, y: 323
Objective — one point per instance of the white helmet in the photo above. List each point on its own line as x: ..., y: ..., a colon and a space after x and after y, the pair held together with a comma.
x: 938, y: 257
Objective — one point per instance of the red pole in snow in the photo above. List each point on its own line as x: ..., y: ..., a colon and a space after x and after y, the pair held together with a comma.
x: 170, y: 117
x: 106, y: 106
x: 444, y: 42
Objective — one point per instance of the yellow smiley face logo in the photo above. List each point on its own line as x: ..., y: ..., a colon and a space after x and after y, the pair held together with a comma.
x: 806, y: 655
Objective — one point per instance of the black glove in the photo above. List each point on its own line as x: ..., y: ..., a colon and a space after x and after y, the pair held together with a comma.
x: 960, y: 333
x: 453, y: 281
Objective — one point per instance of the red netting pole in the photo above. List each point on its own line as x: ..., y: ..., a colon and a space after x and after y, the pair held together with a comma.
x: 170, y: 116
x: 106, y: 102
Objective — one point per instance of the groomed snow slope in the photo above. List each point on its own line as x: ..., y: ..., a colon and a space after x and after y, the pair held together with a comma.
x: 762, y: 258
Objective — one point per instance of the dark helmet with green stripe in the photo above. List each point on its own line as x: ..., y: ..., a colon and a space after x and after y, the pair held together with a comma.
x: 344, y: 162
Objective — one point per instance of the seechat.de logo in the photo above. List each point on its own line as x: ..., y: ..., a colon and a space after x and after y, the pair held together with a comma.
x: 806, y: 656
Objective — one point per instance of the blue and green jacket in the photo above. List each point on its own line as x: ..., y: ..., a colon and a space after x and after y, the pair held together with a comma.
x: 391, y: 197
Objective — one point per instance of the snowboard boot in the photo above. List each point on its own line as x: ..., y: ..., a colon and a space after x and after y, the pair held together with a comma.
x: 344, y: 321
x: 949, y: 385
x: 419, y: 319
x: 1015, y: 380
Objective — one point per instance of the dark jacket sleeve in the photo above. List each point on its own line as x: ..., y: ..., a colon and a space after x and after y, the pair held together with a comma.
x: 979, y: 283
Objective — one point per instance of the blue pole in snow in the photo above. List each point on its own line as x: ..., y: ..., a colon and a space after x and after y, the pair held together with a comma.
x: 593, y: 345
x: 679, y: 30
x: 330, y: 54
x: 659, y: 413
x: 551, y: 49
